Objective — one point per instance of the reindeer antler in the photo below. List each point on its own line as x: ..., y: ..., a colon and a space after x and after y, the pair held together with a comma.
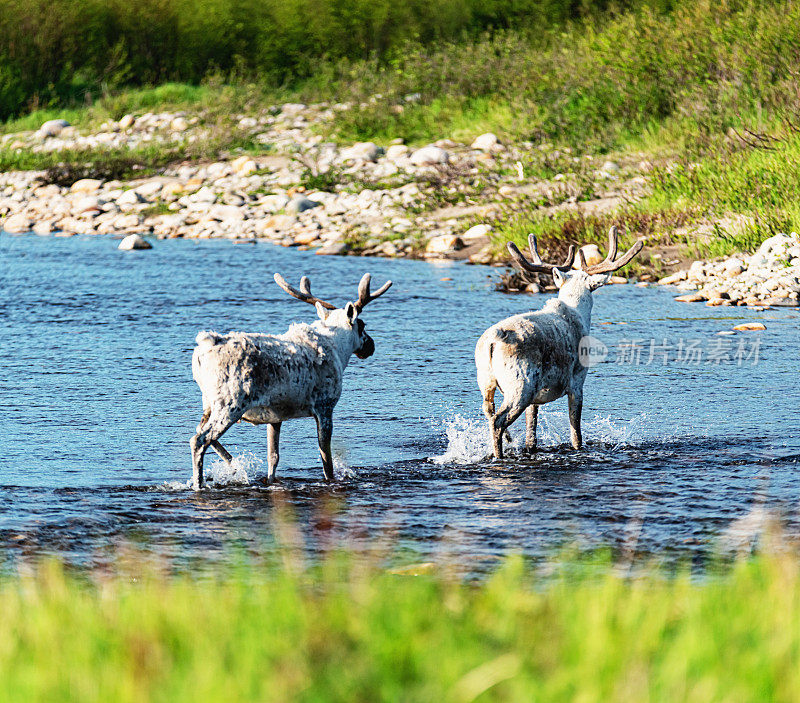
x: 536, y: 265
x: 364, y: 296
x: 610, y: 264
x: 304, y: 293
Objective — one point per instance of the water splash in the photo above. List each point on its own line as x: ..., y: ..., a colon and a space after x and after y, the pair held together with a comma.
x: 342, y: 469
x: 242, y: 471
x: 469, y: 440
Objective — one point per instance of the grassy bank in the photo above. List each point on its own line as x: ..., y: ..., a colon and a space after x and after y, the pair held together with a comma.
x: 353, y: 633
x: 671, y: 83
x: 601, y: 80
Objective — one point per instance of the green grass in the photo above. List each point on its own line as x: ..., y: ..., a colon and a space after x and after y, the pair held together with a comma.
x: 348, y: 632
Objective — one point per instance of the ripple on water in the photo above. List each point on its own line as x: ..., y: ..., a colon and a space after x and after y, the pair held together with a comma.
x: 99, y: 404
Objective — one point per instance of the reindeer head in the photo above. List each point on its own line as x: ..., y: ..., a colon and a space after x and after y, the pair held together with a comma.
x: 346, y: 319
x: 574, y: 282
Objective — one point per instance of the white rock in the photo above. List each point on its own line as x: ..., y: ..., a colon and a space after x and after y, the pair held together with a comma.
x: 610, y: 167
x: 443, y: 244
x: 486, y: 142
x: 300, y: 204
x: 204, y: 195
x: 273, y: 203
x: 126, y: 221
x: 361, y: 151
x: 226, y: 212
x: 149, y: 189
x: 476, y: 232
x: 674, y: 278
x: 179, y: 124
x: 43, y: 228
x: 244, y: 166
x: 16, y: 224
x: 697, y: 271
x: 397, y: 151
x: 86, y: 185
x: 134, y: 241
x: 126, y: 121
x: 734, y: 266
x: 775, y: 245
x: 130, y: 197
x: 429, y: 155
x: 592, y: 255
x: 85, y: 204
x: 52, y: 128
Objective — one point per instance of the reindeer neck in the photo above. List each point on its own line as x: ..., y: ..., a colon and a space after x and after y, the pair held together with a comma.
x: 340, y: 340
x: 580, y: 301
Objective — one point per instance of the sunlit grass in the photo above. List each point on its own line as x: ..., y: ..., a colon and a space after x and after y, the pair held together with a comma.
x: 343, y: 631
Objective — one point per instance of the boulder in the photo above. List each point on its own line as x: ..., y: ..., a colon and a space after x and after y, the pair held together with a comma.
x: 429, y: 156
x: 42, y: 228
x: 476, y: 232
x: 750, y: 327
x: 672, y: 279
x: 126, y: 121
x: 134, y: 241
x: 397, y: 151
x: 150, y: 189
x: 334, y: 249
x: 299, y: 203
x: 130, y: 197
x: 126, y: 222
x: 734, y: 266
x: 87, y: 203
x: 244, y: 166
x: 204, y: 195
x: 52, y: 128
x: 226, y: 213
x: 486, y: 142
x: 179, y: 124
x: 592, y: 255
x: 86, y: 185
x: 16, y: 224
x: 361, y: 151
x: 443, y: 244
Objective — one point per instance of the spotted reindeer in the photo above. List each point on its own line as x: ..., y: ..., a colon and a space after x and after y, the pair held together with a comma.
x: 533, y: 358
x: 266, y: 379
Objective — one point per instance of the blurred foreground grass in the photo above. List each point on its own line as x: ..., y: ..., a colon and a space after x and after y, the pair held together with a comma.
x: 343, y: 631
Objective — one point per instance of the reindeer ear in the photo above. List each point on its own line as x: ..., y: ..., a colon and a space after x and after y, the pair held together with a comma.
x: 559, y: 278
x: 351, y: 312
x: 321, y: 311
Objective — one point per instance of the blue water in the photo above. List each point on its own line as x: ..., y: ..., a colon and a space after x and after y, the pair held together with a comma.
x: 98, y: 405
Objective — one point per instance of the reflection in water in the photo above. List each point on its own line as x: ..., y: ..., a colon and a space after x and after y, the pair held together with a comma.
x: 98, y: 406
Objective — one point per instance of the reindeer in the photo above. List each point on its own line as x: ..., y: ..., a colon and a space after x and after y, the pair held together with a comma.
x: 266, y: 379
x: 533, y: 358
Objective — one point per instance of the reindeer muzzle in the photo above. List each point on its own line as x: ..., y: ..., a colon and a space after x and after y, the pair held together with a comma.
x: 367, y: 349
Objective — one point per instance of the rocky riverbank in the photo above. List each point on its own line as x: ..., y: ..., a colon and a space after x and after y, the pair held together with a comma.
x: 770, y: 277
x: 291, y: 187
x: 295, y: 189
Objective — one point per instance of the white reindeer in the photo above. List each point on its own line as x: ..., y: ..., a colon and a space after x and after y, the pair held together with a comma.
x: 266, y: 379
x: 533, y: 358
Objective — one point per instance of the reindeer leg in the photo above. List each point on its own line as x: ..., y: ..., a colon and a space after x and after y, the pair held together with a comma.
x: 273, y: 452
x: 224, y: 454
x: 511, y: 409
x: 324, y: 434
x: 531, y: 417
x: 207, y: 433
x: 575, y: 401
